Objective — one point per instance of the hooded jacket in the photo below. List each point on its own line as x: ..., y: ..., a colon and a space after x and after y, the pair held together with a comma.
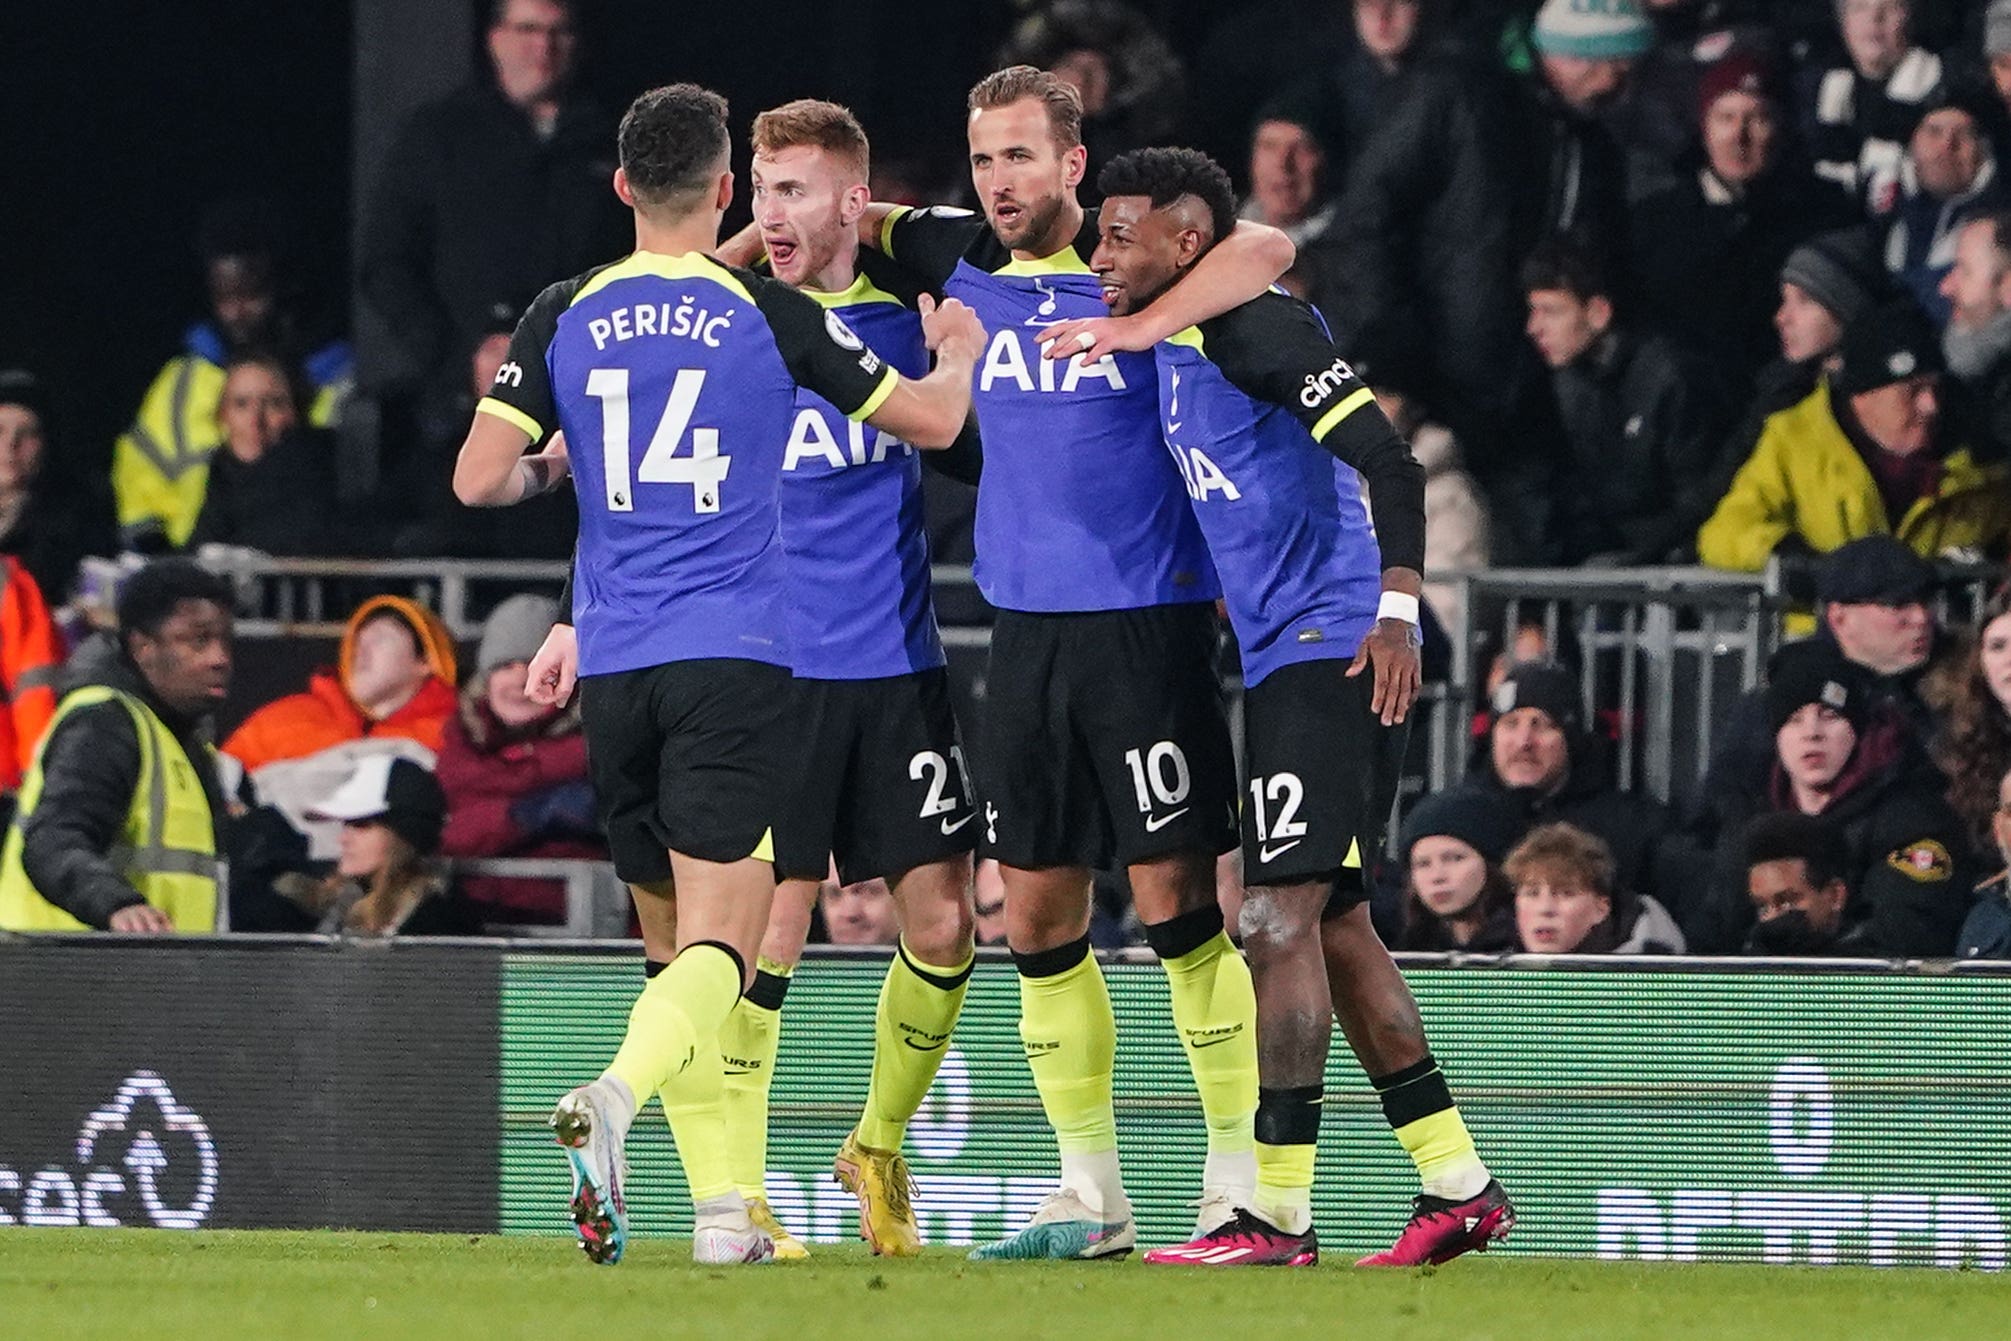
x: 324, y: 715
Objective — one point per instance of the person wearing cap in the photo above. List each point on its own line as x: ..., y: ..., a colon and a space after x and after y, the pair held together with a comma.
x: 1868, y: 452
x: 1466, y: 172
x: 1708, y: 250
x: 160, y: 464
x: 390, y: 692
x: 121, y: 813
x: 1539, y: 758
x: 515, y: 771
x: 1292, y: 170
x: 1842, y: 753
x: 385, y: 881
x: 1949, y: 175
x: 1455, y: 896
x: 1858, y: 110
x: 1642, y: 418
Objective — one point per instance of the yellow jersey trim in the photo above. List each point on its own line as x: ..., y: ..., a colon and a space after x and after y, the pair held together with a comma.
x: 1191, y: 337
x: 861, y: 292
x: 510, y: 415
x: 879, y: 396
x: 898, y: 213
x: 1353, y: 861
x: 1359, y: 397
x: 1063, y: 262
x: 642, y: 264
x: 765, y: 849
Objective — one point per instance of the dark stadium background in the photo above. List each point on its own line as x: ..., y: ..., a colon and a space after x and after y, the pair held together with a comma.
x: 119, y: 119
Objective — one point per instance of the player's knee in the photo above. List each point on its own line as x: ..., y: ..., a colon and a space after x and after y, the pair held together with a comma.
x: 939, y: 930
x: 1275, y: 917
x: 1166, y: 887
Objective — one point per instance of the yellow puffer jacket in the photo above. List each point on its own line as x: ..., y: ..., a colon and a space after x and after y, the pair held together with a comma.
x: 1805, y: 478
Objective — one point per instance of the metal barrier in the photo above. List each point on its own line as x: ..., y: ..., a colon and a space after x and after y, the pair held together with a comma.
x: 597, y: 902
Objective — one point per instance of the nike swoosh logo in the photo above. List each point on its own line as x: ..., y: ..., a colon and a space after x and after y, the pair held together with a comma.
x: 1268, y: 853
x: 925, y: 1047
x: 949, y: 828
x: 1154, y: 823
x: 1211, y: 1042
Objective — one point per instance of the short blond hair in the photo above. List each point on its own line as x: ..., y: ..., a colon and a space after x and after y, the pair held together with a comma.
x: 1564, y: 854
x: 1016, y: 83
x: 815, y: 124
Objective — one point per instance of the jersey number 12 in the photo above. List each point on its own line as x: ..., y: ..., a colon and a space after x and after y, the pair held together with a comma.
x: 703, y: 470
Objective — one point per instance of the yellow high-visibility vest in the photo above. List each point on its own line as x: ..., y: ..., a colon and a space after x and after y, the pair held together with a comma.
x: 167, y: 849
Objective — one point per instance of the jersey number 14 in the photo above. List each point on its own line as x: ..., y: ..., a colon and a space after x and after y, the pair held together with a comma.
x: 704, y: 470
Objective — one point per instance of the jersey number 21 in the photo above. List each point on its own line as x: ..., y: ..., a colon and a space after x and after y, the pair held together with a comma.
x: 703, y: 470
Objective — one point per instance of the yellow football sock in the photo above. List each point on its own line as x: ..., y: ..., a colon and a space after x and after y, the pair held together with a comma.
x: 1070, y: 1035
x: 919, y: 1005
x: 1419, y: 1109
x: 1215, y: 1010
x: 748, y: 1042
x: 674, y: 1023
x: 1285, y: 1185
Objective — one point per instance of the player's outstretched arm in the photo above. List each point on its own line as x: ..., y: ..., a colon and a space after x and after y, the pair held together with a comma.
x: 931, y: 412
x: 1235, y: 270
x: 743, y: 249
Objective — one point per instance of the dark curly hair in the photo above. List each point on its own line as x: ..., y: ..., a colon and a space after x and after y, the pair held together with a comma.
x: 1974, y: 745
x: 669, y: 141
x: 1165, y: 175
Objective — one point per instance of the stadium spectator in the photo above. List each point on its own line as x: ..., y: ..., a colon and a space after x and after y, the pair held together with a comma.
x: 160, y: 465
x: 1249, y: 53
x: 1986, y: 932
x: 1467, y: 171
x: 1708, y: 250
x: 43, y: 521
x: 1455, y: 896
x: 120, y: 814
x: 1641, y: 418
x: 1973, y: 745
x: 1456, y: 532
x: 859, y: 914
x: 1292, y: 170
x: 272, y: 487
x: 1656, y: 119
x: 386, y: 881
x: 1859, y: 110
x: 1977, y: 339
x: 1539, y: 758
x: 1795, y: 868
x: 515, y: 771
x: 1868, y: 452
x: 1948, y: 176
x: 1131, y: 82
x: 490, y: 194
x: 31, y: 657
x: 1568, y: 901
x: 391, y: 692
x: 1364, y: 80
x: 1997, y: 49
x: 1842, y: 753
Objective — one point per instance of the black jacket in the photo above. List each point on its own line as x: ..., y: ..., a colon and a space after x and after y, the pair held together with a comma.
x: 1706, y: 264
x: 1643, y: 422
x: 280, y: 504
x: 1906, y: 859
x: 473, y: 209
x: 56, y: 529
x: 90, y: 766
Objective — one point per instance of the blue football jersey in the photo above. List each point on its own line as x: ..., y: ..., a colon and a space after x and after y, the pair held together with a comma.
x: 1262, y: 419
x: 674, y: 379
x: 852, y: 522
x: 1079, y: 508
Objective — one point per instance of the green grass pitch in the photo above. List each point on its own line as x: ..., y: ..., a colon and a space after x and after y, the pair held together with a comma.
x: 103, y: 1284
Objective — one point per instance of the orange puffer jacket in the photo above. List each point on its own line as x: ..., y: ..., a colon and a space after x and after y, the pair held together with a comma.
x: 325, y: 715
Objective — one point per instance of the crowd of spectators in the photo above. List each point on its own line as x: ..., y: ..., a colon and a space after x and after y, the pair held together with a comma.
x: 1643, y: 281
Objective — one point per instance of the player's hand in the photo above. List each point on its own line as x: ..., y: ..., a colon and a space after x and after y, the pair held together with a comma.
x: 142, y: 919
x: 951, y: 327
x: 1392, y: 648
x: 555, y: 669
x: 1093, y: 337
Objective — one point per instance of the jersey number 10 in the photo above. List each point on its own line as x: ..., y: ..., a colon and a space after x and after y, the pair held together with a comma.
x: 703, y: 470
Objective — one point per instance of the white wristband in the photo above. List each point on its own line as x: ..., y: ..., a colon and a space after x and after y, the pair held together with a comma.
x: 1398, y: 605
